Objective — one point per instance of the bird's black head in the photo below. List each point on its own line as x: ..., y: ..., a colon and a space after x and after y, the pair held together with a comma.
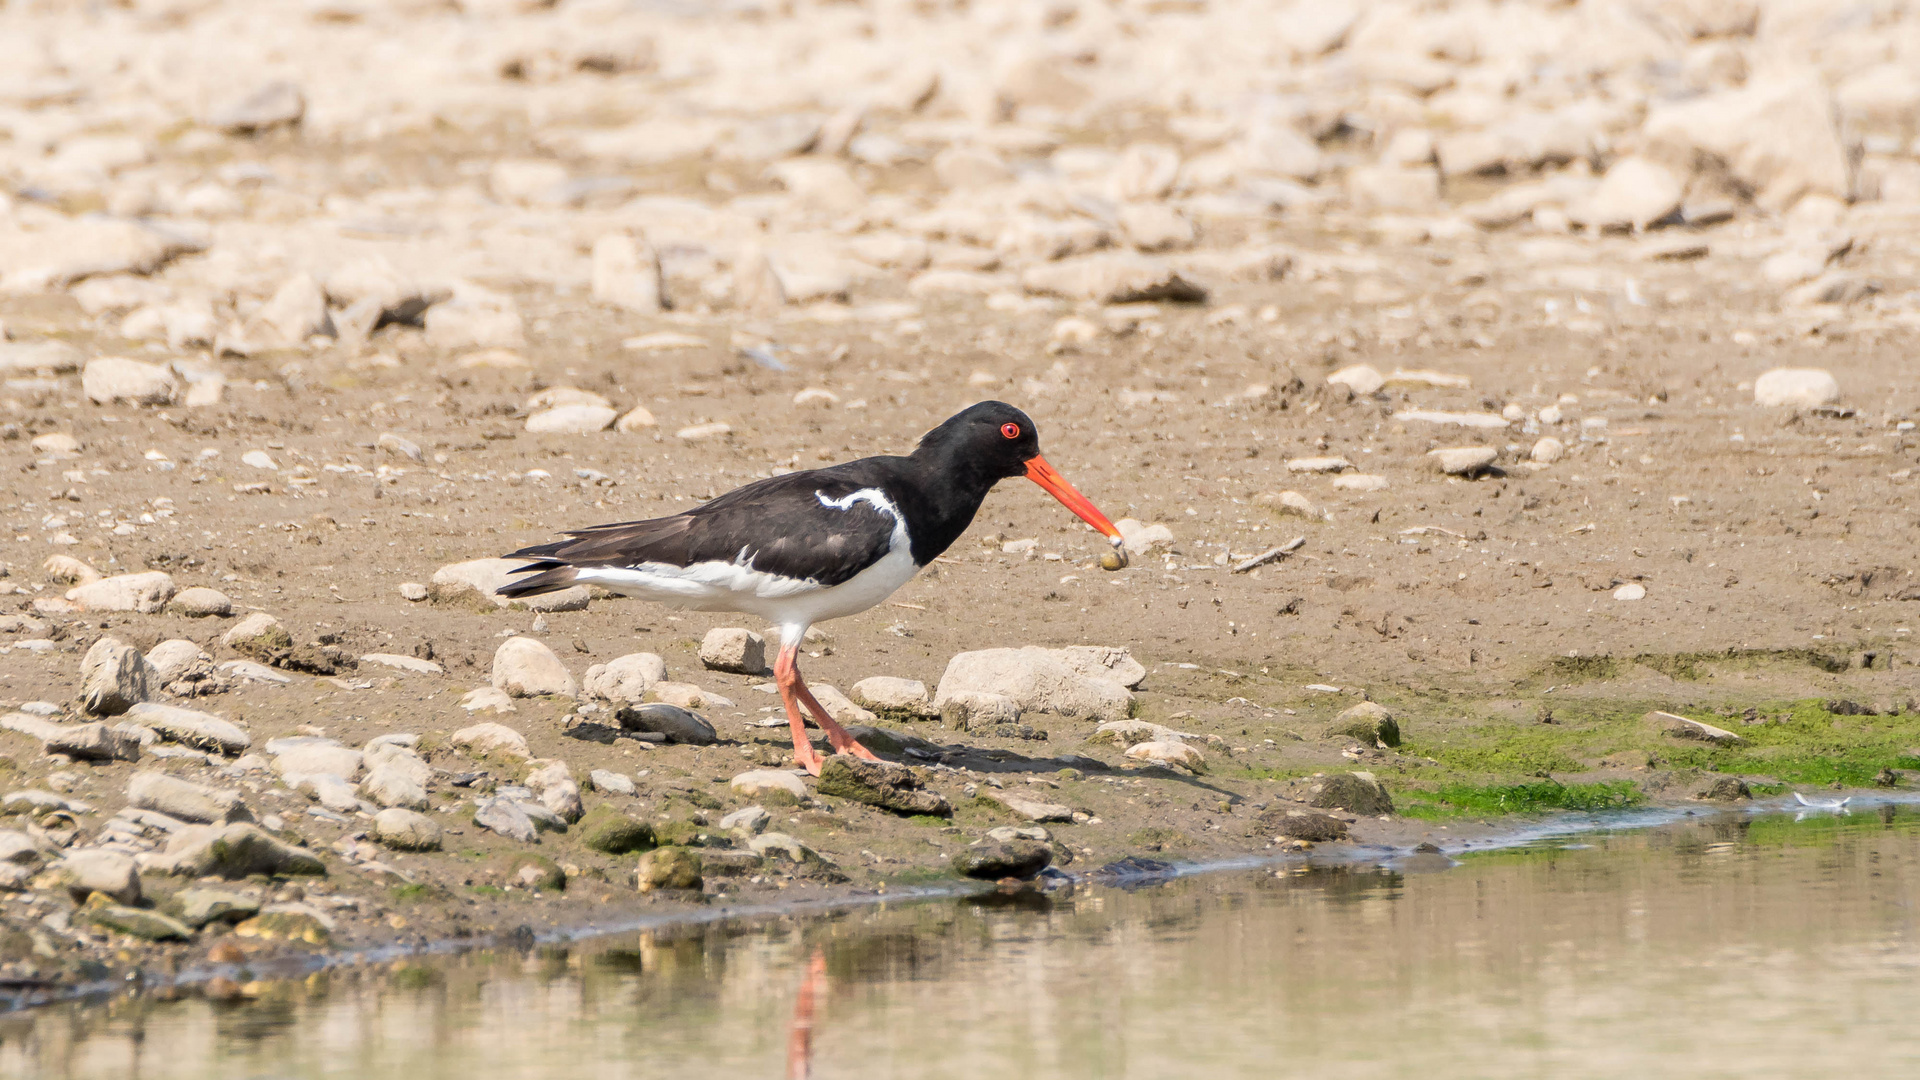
x: 993, y: 437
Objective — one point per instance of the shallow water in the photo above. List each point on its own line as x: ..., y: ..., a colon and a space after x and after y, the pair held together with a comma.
x: 1736, y: 945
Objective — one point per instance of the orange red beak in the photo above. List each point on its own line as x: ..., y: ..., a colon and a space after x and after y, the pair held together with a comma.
x: 1056, y: 485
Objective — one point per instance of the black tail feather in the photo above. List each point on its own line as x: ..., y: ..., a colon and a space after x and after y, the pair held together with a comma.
x: 548, y: 576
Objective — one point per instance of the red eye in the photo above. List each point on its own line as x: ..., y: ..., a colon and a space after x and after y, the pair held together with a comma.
x: 1011, y: 431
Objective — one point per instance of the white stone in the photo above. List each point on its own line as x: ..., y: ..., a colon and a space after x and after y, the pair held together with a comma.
x: 250, y: 629
x: 889, y: 694
x: 406, y: 830
x: 109, y: 379
x: 296, y: 312
x: 85, y: 871
x: 1076, y: 682
x: 1548, y: 450
x: 1462, y: 460
x: 1360, y: 482
x: 185, y: 799
x: 626, y: 274
x: 734, y: 649
x: 1319, y: 465
x: 1155, y: 227
x: 488, y: 698
x: 1633, y: 194
x: 299, y: 757
x: 403, y: 663
x: 174, y: 657
x: 200, y: 602
x: 760, y: 781
x: 1777, y: 136
x: 1798, y: 388
x: 191, y: 727
x: 626, y: 678
x: 612, y: 783
x: 572, y: 420
x: 1169, y: 753
x: 145, y: 592
x: 1362, y: 379
x: 1630, y: 591
x: 1142, y: 538
x: 492, y: 738
x: 525, y: 667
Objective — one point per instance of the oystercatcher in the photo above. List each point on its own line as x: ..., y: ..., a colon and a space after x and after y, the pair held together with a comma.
x: 815, y: 545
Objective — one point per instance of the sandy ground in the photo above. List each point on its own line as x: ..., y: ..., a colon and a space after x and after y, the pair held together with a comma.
x: 1777, y: 538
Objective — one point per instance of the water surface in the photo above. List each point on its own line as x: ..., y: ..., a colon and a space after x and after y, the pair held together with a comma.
x: 1737, y: 945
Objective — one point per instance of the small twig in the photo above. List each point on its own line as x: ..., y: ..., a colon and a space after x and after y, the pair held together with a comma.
x: 1271, y: 555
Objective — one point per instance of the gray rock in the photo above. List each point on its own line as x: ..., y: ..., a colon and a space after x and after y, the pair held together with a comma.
x: 1368, y: 722
x: 879, y: 783
x: 557, y: 790
x: 775, y: 845
x: 330, y: 790
x: 506, y: 817
x: 190, y: 727
x: 1022, y: 859
x: 93, y: 742
x: 1355, y: 792
x: 1726, y: 789
x: 895, y: 697
x: 185, y: 799
x: 1077, y: 683
x: 108, y: 379
x: 1796, y: 388
x: 749, y: 820
x: 612, y: 783
x: 98, y: 870
x: 260, y: 636
x: 1462, y: 460
x: 147, y: 925
x: 200, y: 602
x: 1112, y: 278
x: 525, y: 667
x: 1127, y: 733
x: 839, y: 706
x: 1031, y: 809
x: 236, y: 851
x: 199, y: 906
x: 626, y: 274
x: 394, y: 785
x: 175, y: 657
x: 1282, y: 823
x: 491, y: 738
x: 145, y: 593
x: 756, y: 783
x: 114, y: 677
x: 248, y: 671
x: 972, y: 710
x: 406, y: 830
x: 731, y: 648
x: 1173, y: 752
x: 276, y: 104
x: 626, y: 678
x: 301, y: 757
x: 677, y: 724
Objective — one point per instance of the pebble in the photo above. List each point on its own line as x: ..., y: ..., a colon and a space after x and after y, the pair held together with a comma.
x: 307, y: 754
x: 488, y: 698
x: 490, y: 738
x: 1360, y: 482
x: 525, y: 667
x: 1290, y: 504
x: 57, y: 443
x: 403, y: 663
x: 626, y: 274
x: 886, y: 694
x: 687, y: 696
x: 572, y: 420
x: 260, y: 459
x: 1797, y: 388
x: 1028, y: 808
x: 1170, y: 753
x: 400, y: 446
x: 412, y: 591
x: 1547, y: 450
x: 697, y: 432
x: 1630, y: 591
x: 486, y: 576
x: 1362, y: 379
x: 733, y: 649
x: 1463, y: 460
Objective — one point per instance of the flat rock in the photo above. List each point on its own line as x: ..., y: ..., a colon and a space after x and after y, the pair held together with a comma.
x: 526, y: 667
x: 1080, y: 683
x: 1796, y: 388
x: 200, y: 602
x: 572, y: 420
x: 1126, y: 733
x: 185, y: 799
x: 145, y: 592
x: 133, y: 921
x: 507, y: 817
x: 1319, y: 465
x: 1022, y: 859
x: 749, y: 820
x: 1169, y: 753
x: 612, y: 783
x: 734, y: 649
x: 759, y: 782
x: 98, y: 870
x: 393, y: 784
x: 1362, y: 379
x: 199, y: 906
x: 891, y: 696
x: 1679, y: 727
x: 1462, y: 460
x: 1355, y: 792
x: 480, y: 580
x: 191, y: 728
x: 1285, y: 823
x: 1360, y: 482
x: 970, y: 710
x: 490, y: 738
x: 626, y: 678
x: 107, y: 379
x: 677, y: 724
x: 92, y: 742
x: 406, y: 830
x: 236, y: 851
x: 879, y: 783
x: 1112, y: 278
x: 404, y: 663
x: 1031, y: 809
x: 315, y: 755
x: 839, y: 706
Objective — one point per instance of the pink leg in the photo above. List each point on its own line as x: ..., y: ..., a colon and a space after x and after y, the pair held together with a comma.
x: 786, y: 675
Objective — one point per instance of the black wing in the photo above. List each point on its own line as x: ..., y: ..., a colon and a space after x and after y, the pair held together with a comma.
x: 782, y: 525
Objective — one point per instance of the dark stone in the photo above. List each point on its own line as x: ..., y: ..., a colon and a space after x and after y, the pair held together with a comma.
x: 668, y: 868
x: 1013, y: 859
x: 1354, y: 792
x: 530, y: 871
x: 93, y: 742
x: 880, y: 783
x: 588, y: 731
x: 1308, y: 825
x: 721, y: 862
x: 1133, y: 871
x: 676, y: 723
x: 1843, y: 707
x: 1727, y: 789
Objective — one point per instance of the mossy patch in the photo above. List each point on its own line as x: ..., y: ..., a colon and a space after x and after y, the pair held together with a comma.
x: 1545, y: 796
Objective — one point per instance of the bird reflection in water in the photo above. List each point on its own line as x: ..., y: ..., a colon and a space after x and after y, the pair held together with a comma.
x: 800, y: 1032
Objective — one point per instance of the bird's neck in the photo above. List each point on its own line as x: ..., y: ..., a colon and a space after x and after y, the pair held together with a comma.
x: 942, y: 494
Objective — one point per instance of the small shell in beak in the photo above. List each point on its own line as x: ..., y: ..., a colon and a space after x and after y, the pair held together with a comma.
x: 1115, y: 559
